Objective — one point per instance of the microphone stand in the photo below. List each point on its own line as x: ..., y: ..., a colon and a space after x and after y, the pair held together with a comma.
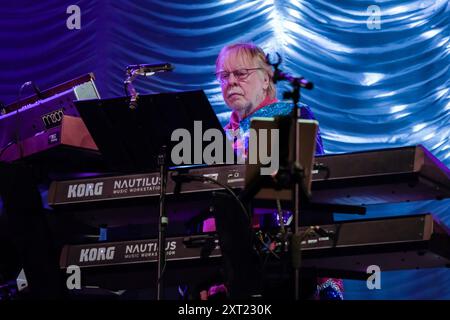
x: 163, y: 222
x: 129, y: 88
x: 296, y: 172
x: 145, y: 70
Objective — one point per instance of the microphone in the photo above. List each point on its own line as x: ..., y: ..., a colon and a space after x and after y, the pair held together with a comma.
x: 36, y: 89
x: 279, y: 75
x: 149, y: 69
x: 28, y: 83
x: 300, y: 81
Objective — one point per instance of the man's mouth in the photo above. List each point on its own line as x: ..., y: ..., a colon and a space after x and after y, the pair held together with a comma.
x: 233, y: 94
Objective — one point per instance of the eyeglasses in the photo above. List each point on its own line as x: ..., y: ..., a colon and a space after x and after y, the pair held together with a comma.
x: 239, y: 74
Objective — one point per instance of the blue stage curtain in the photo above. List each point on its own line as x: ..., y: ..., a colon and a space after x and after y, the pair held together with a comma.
x: 374, y: 87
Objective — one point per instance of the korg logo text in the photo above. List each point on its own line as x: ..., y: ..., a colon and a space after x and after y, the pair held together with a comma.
x: 85, y: 190
x: 97, y: 254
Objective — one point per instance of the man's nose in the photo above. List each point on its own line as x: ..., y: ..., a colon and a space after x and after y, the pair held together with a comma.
x: 232, y: 79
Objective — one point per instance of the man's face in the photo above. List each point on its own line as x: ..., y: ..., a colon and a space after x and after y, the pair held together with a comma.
x: 243, y: 95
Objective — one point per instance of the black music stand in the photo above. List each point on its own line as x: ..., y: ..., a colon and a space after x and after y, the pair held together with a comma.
x: 139, y: 139
x: 131, y: 140
x: 265, y: 187
x: 244, y: 270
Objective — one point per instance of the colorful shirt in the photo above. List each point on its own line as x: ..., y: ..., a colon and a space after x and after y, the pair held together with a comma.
x: 268, y: 108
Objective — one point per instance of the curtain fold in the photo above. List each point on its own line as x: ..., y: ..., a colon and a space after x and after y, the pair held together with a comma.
x: 374, y: 87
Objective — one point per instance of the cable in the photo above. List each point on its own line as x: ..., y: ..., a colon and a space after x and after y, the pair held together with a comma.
x: 162, y: 271
x: 18, y: 120
x: 180, y: 177
x: 187, y: 177
x: 9, y: 144
x: 259, y: 237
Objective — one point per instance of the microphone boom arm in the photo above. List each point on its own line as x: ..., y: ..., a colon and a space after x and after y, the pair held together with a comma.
x: 134, y: 70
